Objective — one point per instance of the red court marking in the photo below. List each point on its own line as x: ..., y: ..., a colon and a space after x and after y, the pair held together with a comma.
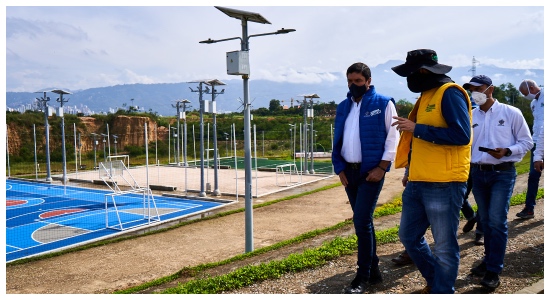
x: 56, y: 213
x: 15, y: 202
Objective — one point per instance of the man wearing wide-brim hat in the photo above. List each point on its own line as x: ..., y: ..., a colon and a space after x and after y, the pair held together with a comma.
x: 434, y: 148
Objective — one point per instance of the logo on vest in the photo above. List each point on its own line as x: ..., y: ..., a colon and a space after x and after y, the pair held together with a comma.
x: 430, y: 107
x: 372, y: 113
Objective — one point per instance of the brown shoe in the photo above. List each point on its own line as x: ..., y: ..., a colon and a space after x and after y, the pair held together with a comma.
x: 402, y: 259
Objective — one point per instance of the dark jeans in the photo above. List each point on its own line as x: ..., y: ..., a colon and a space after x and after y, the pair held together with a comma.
x: 362, y: 197
x: 532, y: 184
x: 467, y: 209
x: 492, y: 190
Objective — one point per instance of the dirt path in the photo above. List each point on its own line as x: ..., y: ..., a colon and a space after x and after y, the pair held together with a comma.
x: 132, y: 262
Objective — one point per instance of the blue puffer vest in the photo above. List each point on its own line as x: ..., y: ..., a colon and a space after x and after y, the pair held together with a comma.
x: 372, y: 130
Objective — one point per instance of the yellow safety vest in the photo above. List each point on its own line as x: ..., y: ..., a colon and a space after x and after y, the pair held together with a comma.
x: 432, y: 162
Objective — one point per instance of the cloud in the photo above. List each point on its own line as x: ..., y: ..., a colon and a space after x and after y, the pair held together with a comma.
x: 293, y: 76
x: 20, y: 28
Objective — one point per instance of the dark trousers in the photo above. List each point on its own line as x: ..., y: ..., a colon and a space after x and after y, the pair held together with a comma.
x: 363, y: 197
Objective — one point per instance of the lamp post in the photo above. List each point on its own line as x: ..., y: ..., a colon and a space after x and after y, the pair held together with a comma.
x: 177, y: 147
x: 245, y: 17
x: 308, y: 113
x: 95, y: 145
x: 293, y: 128
x: 202, y: 192
x: 213, y: 84
x: 60, y: 112
x: 115, y: 137
x: 181, y: 115
x: 226, y: 139
x: 104, y: 151
x: 44, y: 101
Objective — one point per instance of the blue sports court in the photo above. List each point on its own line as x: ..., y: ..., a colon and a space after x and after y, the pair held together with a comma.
x: 43, y: 217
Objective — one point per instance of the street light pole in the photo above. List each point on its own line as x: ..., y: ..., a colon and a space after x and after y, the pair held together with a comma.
x: 104, y: 151
x: 213, y: 84
x: 202, y: 192
x: 61, y: 101
x: 44, y: 101
x: 181, y: 115
x: 95, y: 153
x: 246, y: 16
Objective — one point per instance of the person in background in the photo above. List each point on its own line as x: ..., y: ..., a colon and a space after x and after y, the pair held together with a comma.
x: 364, y: 148
x: 435, y: 149
x: 530, y: 90
x: 501, y: 138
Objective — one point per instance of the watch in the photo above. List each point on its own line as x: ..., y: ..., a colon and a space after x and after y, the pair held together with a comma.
x: 508, y: 152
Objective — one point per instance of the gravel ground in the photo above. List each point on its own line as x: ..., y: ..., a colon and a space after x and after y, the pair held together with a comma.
x: 524, y: 259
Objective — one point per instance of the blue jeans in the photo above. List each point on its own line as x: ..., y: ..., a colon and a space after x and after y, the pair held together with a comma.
x: 436, y: 204
x: 532, y: 184
x: 467, y: 209
x: 362, y: 197
x: 492, y: 190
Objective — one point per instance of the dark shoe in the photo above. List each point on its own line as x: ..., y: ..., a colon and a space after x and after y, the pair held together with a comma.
x: 375, y: 276
x: 357, y: 286
x: 402, y: 259
x: 425, y: 290
x: 469, y: 225
x: 490, y: 280
x: 526, y: 214
x: 479, y: 239
x: 480, y: 270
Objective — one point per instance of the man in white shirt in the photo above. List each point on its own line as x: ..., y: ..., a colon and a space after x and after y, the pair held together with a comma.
x: 530, y: 90
x: 501, y: 138
x: 364, y: 147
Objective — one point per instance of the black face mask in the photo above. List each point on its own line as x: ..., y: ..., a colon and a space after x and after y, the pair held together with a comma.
x: 357, y: 91
x: 418, y: 82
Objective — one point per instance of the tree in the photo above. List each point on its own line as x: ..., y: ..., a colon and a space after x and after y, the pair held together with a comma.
x: 403, y: 108
x: 275, y: 105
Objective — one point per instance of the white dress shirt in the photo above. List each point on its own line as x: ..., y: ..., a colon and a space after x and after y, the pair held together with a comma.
x: 502, y: 126
x: 351, y: 144
x: 537, y: 106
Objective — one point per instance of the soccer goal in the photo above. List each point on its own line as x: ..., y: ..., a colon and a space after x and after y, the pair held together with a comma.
x: 129, y: 204
x: 125, y: 158
x: 286, y: 171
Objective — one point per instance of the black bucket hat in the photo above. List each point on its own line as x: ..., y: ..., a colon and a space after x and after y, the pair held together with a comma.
x: 421, y: 58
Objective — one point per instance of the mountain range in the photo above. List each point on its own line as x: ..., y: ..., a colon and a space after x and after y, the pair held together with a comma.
x: 160, y: 97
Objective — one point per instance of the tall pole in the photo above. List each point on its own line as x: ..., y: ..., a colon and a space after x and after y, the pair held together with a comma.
x: 215, y: 133
x: 178, y: 135
x: 311, y: 171
x: 245, y: 17
x: 44, y: 101
x: 185, y: 134
x: 95, y: 153
x: 8, y: 153
x: 201, y: 143
x: 35, y: 158
x: 249, y: 239
x: 60, y: 100
x: 75, y: 151
x: 108, y: 140
x: 304, y: 103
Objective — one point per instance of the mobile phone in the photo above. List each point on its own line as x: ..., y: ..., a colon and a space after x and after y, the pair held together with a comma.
x: 483, y: 149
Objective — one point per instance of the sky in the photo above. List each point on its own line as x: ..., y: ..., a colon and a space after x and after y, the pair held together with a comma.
x: 106, y: 43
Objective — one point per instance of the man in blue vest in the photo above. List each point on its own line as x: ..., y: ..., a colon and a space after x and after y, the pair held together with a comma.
x: 364, y: 147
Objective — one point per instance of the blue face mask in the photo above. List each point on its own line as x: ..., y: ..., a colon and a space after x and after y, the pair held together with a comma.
x: 357, y: 91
